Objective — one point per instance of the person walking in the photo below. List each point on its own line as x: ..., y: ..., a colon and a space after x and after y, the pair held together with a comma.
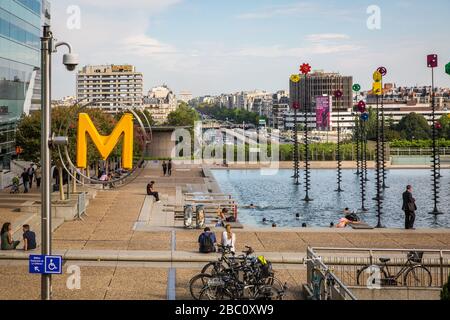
x: 164, y: 167
x: 38, y: 176
x: 229, y: 238
x: 169, y: 168
x: 25, y: 178
x: 409, y: 207
x: 30, y: 172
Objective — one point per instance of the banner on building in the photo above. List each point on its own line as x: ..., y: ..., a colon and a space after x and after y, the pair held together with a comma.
x: 323, y: 113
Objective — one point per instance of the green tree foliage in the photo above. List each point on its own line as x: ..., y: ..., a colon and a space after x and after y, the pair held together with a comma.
x: 414, y: 126
x: 233, y: 115
x: 183, y: 116
x: 444, y: 131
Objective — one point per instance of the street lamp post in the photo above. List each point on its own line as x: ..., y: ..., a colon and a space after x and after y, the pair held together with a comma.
x: 47, y: 141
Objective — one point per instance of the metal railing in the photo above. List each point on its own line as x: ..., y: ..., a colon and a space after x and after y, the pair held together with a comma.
x: 347, y: 267
x: 417, y: 151
x: 317, y: 268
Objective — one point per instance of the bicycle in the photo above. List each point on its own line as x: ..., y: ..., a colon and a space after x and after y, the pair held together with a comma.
x: 411, y: 274
x: 226, y: 261
x: 322, y: 280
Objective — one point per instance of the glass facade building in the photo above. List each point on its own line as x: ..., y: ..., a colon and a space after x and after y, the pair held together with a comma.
x: 20, y: 31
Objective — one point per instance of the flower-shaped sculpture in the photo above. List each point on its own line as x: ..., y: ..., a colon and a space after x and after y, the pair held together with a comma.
x: 382, y: 70
x: 362, y: 106
x: 365, y: 117
x: 295, y: 78
x: 356, y: 87
x: 305, y: 68
x: 432, y: 61
x: 338, y: 94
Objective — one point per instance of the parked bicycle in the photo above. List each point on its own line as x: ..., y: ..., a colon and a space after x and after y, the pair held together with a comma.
x: 411, y: 274
x: 237, y: 278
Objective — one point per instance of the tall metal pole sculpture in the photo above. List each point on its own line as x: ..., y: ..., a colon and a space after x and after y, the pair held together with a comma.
x: 305, y: 69
x: 363, y: 175
x: 356, y: 88
x: 295, y: 79
x: 383, y: 72
x: 338, y: 95
x: 432, y: 62
x: 377, y: 91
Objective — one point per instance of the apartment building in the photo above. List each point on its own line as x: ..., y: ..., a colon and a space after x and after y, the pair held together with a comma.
x: 110, y: 87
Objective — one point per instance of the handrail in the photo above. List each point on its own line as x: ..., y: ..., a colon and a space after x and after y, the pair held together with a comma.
x: 371, y: 251
x: 316, y: 260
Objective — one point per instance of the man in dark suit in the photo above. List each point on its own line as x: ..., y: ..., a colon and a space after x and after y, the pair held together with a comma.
x: 409, y: 206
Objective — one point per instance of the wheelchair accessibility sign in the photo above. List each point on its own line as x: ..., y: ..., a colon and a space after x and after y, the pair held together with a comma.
x: 45, y: 264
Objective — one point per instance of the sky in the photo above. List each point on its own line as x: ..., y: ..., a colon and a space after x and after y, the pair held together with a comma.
x: 209, y: 47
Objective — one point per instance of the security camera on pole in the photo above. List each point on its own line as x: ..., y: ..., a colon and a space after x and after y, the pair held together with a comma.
x: 48, y: 141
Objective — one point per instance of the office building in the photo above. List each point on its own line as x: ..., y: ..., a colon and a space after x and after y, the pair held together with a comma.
x: 318, y: 84
x: 110, y: 87
x: 20, y: 31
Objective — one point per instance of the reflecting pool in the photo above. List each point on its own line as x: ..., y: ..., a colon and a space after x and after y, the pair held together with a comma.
x: 278, y: 200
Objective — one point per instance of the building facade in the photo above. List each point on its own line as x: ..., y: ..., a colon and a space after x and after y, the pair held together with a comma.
x: 318, y: 84
x: 160, y: 101
x: 20, y: 31
x: 110, y: 87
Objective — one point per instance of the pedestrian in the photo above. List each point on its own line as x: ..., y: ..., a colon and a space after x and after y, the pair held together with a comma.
x: 207, y: 241
x: 229, y: 238
x: 7, y: 242
x: 151, y: 191
x: 30, y: 172
x: 409, y: 207
x: 38, y: 176
x: 169, y: 168
x: 29, y: 238
x: 164, y: 167
x: 25, y: 178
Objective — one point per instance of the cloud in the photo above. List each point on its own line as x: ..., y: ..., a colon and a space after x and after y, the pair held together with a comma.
x: 326, y: 37
x: 279, y: 10
x: 143, y: 45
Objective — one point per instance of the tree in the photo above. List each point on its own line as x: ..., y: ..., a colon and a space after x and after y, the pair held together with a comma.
x: 28, y: 135
x: 444, y: 131
x: 183, y: 116
x: 414, y: 126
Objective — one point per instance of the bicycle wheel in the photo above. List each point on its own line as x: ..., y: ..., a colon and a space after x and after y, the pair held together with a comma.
x: 212, y: 268
x: 367, y: 276
x: 418, y: 276
x: 273, y: 289
x: 198, y: 285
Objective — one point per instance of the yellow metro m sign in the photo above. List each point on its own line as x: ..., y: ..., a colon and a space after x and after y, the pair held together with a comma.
x: 105, y: 144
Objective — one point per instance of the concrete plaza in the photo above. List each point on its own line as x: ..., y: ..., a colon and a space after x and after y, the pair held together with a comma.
x: 123, y: 257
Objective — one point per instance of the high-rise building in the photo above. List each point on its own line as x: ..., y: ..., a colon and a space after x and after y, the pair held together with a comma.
x: 322, y: 84
x: 20, y: 31
x: 160, y: 102
x: 110, y: 87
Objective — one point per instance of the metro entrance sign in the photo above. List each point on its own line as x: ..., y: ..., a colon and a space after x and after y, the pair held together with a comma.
x: 41, y: 264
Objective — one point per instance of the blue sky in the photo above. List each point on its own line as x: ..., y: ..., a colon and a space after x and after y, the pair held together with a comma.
x: 213, y: 47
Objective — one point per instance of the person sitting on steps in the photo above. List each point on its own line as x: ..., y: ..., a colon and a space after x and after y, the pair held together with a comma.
x: 207, y: 241
x: 151, y: 191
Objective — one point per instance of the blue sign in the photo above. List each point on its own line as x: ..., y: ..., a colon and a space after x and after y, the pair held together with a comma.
x: 53, y: 265
x: 36, y: 264
x: 45, y: 264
